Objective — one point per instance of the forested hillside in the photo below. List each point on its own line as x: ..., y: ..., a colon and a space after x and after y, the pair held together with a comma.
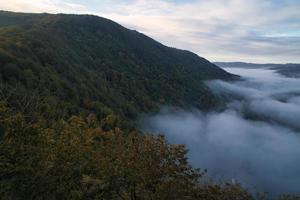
x: 78, y: 159
x: 70, y: 86
x: 80, y: 64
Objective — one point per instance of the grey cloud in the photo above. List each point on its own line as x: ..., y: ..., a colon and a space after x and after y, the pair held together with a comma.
x: 262, y: 156
x: 295, y: 100
x: 261, y: 150
x: 220, y: 30
x: 284, y: 113
x: 232, y: 30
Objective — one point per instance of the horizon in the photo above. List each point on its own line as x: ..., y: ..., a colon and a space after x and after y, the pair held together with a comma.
x: 256, y: 32
x: 217, y: 61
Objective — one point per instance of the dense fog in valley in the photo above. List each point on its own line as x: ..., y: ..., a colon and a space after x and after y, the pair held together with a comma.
x: 255, y: 140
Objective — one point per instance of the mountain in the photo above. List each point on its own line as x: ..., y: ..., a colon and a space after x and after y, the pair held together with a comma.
x: 288, y: 69
x: 56, y: 69
x: 239, y: 65
x: 81, y: 63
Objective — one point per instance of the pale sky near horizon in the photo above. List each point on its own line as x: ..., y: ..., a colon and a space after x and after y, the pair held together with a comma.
x: 260, y: 31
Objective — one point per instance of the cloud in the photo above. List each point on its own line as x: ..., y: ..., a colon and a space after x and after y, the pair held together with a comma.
x: 255, y: 140
x: 219, y: 29
x: 256, y: 31
x: 264, y: 157
x: 284, y: 113
x: 50, y: 6
x: 295, y: 100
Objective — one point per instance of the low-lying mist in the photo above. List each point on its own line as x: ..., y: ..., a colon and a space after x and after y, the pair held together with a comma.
x: 255, y: 140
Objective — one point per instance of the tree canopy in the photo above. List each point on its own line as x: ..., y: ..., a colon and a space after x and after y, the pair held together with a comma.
x: 84, y: 64
x: 71, y: 87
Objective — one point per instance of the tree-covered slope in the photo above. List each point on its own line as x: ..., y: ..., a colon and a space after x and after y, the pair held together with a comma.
x: 56, y: 66
x: 67, y: 64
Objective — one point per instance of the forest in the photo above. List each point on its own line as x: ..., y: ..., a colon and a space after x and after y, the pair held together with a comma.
x: 71, y: 90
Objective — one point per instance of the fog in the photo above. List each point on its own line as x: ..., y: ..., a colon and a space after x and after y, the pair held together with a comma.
x: 255, y: 140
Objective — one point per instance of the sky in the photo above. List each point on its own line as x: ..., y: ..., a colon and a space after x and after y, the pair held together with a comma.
x: 260, y: 31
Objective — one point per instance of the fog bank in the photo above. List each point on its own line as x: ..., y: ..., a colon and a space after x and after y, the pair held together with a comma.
x: 255, y: 140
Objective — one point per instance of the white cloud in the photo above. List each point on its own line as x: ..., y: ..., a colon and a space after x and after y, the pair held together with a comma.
x: 51, y: 6
x: 255, y: 140
x: 217, y: 29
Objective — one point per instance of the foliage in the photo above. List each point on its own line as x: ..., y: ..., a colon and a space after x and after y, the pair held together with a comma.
x: 57, y: 69
x: 83, y: 64
x: 77, y: 159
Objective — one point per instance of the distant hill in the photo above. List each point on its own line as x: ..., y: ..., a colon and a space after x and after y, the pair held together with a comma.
x: 84, y: 63
x: 240, y: 65
x: 289, y: 69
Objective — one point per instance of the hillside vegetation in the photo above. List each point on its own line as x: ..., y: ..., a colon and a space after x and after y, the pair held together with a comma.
x: 70, y: 86
x: 83, y: 64
x: 81, y: 158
